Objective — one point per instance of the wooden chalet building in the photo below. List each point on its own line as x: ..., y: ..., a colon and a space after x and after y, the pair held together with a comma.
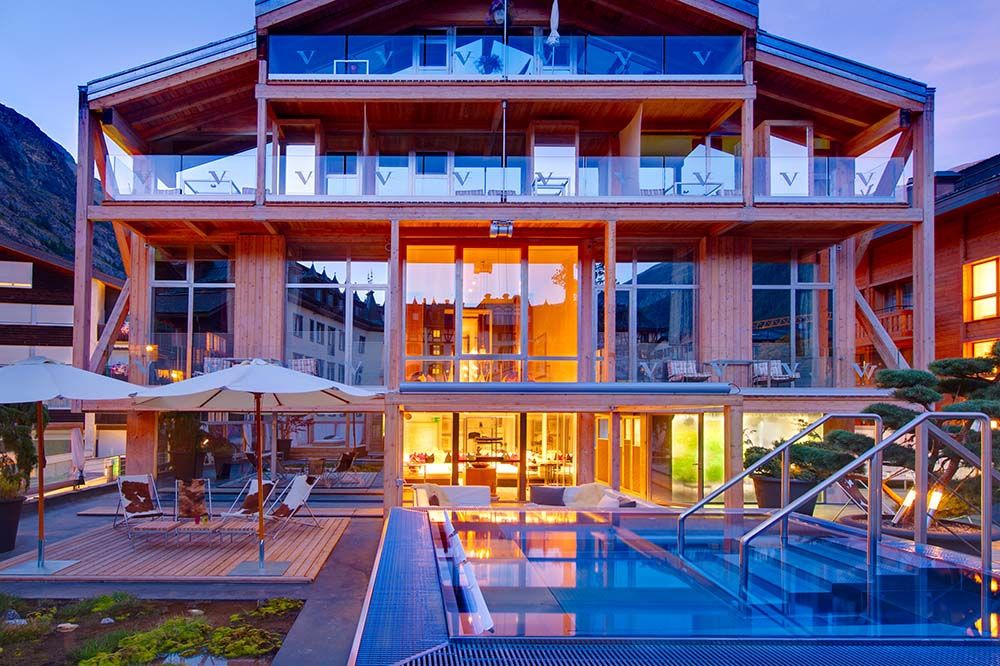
x: 522, y: 238
x: 967, y: 273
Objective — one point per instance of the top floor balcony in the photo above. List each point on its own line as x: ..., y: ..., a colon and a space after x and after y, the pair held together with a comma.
x: 453, y: 53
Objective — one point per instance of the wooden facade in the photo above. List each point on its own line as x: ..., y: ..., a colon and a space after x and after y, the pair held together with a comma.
x: 788, y: 131
x: 967, y: 234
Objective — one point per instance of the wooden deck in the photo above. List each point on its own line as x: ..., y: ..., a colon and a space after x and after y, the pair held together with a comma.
x: 105, y: 555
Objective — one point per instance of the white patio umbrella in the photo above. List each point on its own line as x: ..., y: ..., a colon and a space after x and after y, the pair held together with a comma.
x: 254, y: 386
x: 36, y: 380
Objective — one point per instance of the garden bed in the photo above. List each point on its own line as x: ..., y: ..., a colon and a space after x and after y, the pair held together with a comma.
x: 143, y: 631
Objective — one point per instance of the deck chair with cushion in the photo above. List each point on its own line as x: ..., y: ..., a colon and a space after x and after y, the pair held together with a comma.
x: 685, y: 371
x: 192, y: 508
x: 137, y: 502
x: 239, y: 519
x: 771, y: 372
x: 294, y: 499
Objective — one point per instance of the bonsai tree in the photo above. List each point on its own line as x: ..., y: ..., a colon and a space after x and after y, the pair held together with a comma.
x: 970, y: 384
x: 18, y: 452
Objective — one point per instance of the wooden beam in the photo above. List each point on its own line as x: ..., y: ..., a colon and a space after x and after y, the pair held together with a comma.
x: 894, y: 170
x: 732, y: 417
x: 840, y: 82
x: 490, y: 91
x: 396, y: 312
x: 818, y: 110
x: 883, y: 342
x: 723, y: 116
x: 844, y: 321
x: 83, y: 259
x: 610, y: 309
x: 862, y: 242
x: 615, y: 446
x: 200, y: 122
x: 747, y: 132
x: 122, y: 133
x: 290, y: 11
x: 111, y: 330
x: 923, y: 239
x: 195, y: 228
x: 261, y: 139
x: 873, y: 135
x: 124, y: 245
x: 722, y: 11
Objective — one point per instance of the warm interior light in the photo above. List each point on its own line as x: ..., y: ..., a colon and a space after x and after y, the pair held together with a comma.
x: 908, y: 500
x: 994, y: 625
x: 934, y: 501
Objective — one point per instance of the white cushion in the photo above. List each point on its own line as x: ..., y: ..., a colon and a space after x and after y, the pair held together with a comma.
x: 608, y: 502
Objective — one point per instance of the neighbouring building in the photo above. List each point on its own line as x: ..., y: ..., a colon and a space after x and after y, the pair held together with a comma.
x: 966, y: 270
x: 522, y: 237
x: 36, y: 319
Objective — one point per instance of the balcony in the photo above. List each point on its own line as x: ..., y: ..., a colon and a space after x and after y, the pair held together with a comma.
x: 702, y: 176
x: 453, y: 54
x: 898, y: 323
x: 181, y: 177
x: 829, y: 180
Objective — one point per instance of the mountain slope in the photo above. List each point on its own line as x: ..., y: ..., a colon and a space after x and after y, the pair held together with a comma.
x: 38, y: 194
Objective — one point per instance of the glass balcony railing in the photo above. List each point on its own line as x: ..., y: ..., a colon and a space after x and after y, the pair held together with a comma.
x: 181, y: 176
x: 830, y: 179
x: 448, y: 54
x: 445, y: 176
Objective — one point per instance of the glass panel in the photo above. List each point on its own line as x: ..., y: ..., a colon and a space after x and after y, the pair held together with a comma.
x: 316, y: 272
x: 554, y: 166
x: 664, y: 330
x: 316, y: 319
x: 551, y: 449
x: 772, y: 333
x: 429, y: 371
x: 167, y: 351
x: 368, y: 338
x: 814, y: 266
x: 772, y: 267
x: 552, y: 371
x: 984, y: 278
x: 705, y: 55
x: 501, y: 371
x: 984, y: 308
x: 634, y: 445
x: 434, y: 50
x: 211, y: 265
x: 615, y: 56
x: 305, y: 54
x: 764, y: 429
x: 553, y: 288
x: 170, y: 263
x: 662, y: 266
x: 427, y: 447
x: 430, y: 301
x: 984, y: 348
x: 491, y: 314
x: 814, y: 336
x: 623, y: 337
x: 489, y: 452
x: 378, y: 54
x: 212, y: 325
x: 369, y: 272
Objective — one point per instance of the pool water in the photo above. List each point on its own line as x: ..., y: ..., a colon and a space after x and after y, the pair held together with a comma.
x: 599, y: 575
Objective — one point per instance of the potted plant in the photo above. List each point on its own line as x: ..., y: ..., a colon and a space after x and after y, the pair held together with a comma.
x: 812, y: 461
x: 288, y: 425
x: 185, y: 444
x: 18, y: 456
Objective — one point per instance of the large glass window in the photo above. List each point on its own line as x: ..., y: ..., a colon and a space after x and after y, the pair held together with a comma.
x: 332, y: 300
x: 792, y: 317
x: 516, y: 320
x: 655, y: 310
x: 983, y: 290
x: 192, y: 311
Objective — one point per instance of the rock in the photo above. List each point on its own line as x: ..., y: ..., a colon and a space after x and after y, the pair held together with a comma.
x: 11, y: 614
x: 107, y: 620
x: 196, y: 612
x: 19, y: 622
x: 66, y: 627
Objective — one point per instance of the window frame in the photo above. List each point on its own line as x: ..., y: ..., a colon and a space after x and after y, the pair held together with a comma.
x: 970, y: 299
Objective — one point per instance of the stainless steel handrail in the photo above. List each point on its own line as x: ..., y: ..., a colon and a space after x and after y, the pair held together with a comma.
x: 874, y: 532
x: 783, y: 450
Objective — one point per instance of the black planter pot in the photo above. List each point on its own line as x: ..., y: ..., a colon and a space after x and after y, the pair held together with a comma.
x: 768, y: 492
x: 187, y: 465
x: 222, y: 467
x: 10, y: 516
x: 284, y: 446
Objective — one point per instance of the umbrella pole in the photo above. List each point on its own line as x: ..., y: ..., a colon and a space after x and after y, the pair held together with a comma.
x: 260, y: 480
x: 40, y: 429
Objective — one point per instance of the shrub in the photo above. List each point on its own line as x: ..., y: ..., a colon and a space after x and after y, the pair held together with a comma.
x: 92, y: 647
x: 243, y: 641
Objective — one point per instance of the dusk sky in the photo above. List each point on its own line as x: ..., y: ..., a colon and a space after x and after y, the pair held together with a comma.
x: 48, y: 47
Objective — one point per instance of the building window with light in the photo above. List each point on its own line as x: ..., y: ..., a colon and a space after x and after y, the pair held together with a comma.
x: 980, y: 348
x: 192, y: 311
x: 982, y: 282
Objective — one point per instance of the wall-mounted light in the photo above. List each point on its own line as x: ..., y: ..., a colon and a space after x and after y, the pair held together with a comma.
x: 501, y: 229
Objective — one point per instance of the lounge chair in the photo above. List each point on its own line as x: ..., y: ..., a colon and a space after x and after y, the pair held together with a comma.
x: 192, y: 511
x: 685, y: 371
x: 294, y: 499
x: 766, y: 373
x: 342, y: 472
x: 239, y: 520
x: 137, y: 500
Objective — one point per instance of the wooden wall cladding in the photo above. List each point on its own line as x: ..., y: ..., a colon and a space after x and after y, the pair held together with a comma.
x: 260, y: 297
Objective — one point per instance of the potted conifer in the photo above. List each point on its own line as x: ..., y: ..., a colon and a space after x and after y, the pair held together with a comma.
x: 18, y: 457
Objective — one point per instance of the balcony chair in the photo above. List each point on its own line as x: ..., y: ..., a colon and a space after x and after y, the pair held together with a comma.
x: 768, y: 373
x: 294, y: 499
x: 685, y: 371
x: 137, y: 500
x: 192, y: 511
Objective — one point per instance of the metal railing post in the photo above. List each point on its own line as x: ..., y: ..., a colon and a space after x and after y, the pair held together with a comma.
x: 986, y: 520
x: 920, y: 485
x: 786, y: 488
x: 874, y: 529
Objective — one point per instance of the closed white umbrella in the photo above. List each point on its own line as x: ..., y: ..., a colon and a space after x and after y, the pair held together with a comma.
x: 553, y: 37
x: 76, y: 450
x: 254, y: 386
x: 37, y: 380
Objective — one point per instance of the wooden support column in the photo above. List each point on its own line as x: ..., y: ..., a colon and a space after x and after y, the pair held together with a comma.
x: 395, y: 309
x: 585, y: 372
x: 923, y: 238
x: 883, y: 342
x: 586, y: 448
x: 83, y: 264
x: 610, y: 280
x: 733, y: 463
x: 141, y: 432
x: 261, y: 137
x: 393, y: 459
x: 615, y: 444
x: 844, y: 319
x: 747, y: 136
x: 725, y: 295
x: 260, y: 297
x: 111, y: 330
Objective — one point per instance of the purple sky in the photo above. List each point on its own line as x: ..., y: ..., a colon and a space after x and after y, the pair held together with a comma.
x: 50, y: 47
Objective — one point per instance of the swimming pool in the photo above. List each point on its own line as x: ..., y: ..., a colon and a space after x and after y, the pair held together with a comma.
x: 588, y: 575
